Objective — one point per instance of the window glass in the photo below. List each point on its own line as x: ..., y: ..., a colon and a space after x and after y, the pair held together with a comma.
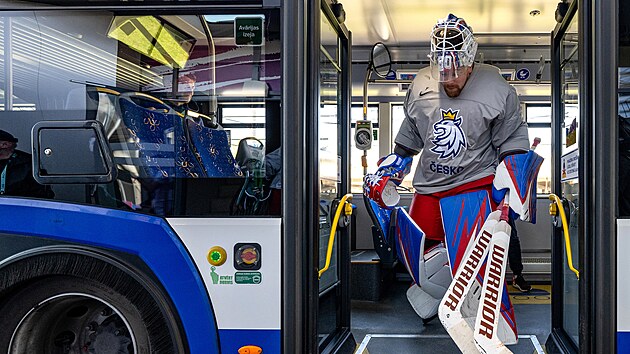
x: 624, y: 142
x: 535, y: 113
x: 544, y: 150
x: 243, y: 122
x: 538, y: 117
x: 155, y: 82
x: 356, y: 168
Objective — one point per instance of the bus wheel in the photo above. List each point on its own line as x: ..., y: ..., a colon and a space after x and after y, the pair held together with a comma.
x: 104, y: 312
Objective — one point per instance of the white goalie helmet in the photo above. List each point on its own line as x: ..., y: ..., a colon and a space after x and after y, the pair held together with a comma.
x: 453, y: 47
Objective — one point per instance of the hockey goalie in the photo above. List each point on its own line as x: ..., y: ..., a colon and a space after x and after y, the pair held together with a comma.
x: 475, y: 171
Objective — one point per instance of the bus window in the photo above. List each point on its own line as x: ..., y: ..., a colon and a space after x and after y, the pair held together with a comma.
x: 243, y: 122
x: 538, y: 117
x: 155, y: 83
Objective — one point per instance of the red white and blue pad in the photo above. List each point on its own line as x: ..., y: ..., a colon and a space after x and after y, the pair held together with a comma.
x: 463, y: 216
x: 409, y: 243
x: 518, y: 173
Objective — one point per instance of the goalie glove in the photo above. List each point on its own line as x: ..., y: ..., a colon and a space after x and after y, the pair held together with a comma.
x: 394, y: 166
x: 381, y: 186
x: 381, y: 189
x: 518, y: 173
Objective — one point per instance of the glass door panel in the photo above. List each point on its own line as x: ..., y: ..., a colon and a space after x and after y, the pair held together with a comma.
x: 569, y: 104
x: 329, y: 152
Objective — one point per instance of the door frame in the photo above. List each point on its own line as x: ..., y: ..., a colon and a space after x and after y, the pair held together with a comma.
x: 598, y: 55
x: 300, y: 197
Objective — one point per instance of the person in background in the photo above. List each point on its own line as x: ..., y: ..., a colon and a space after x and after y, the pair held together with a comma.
x: 185, y: 91
x: 183, y: 103
x: 516, y: 262
x: 16, y: 172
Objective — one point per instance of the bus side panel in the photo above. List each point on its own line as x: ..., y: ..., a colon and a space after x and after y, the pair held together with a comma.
x: 149, y: 237
x: 246, y: 298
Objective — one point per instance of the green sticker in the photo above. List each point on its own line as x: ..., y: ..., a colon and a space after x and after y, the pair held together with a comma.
x: 248, y: 30
x: 247, y: 278
x: 220, y: 279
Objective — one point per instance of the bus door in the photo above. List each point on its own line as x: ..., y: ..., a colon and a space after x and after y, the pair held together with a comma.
x: 333, y: 248
x: 566, y: 95
x: 589, y: 310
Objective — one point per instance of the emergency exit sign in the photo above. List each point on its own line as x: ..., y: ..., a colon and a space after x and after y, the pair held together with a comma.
x: 248, y: 30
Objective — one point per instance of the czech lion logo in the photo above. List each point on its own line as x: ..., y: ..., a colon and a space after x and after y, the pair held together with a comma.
x: 449, y: 138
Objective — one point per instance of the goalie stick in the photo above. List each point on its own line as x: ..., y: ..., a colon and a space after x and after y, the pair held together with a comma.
x: 450, y: 307
x: 486, y: 337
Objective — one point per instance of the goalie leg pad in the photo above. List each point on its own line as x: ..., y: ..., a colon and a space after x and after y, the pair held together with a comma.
x: 489, y: 313
x: 435, y: 273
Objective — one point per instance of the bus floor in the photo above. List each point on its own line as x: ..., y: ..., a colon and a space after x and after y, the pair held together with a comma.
x: 390, y: 326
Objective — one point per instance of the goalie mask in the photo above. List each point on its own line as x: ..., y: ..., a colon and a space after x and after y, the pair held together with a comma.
x: 453, y: 48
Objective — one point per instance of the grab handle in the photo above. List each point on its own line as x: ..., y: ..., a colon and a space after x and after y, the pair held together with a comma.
x: 555, y: 207
x: 346, y: 206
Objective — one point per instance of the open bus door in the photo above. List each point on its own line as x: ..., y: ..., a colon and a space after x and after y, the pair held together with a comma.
x: 589, y: 310
x: 332, y: 103
x: 316, y: 113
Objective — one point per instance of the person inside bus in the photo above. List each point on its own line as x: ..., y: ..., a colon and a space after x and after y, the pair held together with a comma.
x: 183, y: 102
x: 463, y: 119
x: 16, y: 172
x: 185, y: 91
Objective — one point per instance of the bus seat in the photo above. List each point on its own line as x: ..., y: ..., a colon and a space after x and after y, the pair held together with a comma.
x: 382, y: 231
x: 213, y: 148
x: 159, y: 136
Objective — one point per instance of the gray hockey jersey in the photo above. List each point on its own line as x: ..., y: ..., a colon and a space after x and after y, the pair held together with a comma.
x: 460, y: 139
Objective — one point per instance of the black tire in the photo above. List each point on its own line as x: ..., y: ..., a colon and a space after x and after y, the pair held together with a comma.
x: 74, y: 304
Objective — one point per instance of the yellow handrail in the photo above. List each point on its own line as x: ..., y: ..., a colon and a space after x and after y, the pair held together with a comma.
x: 565, y: 228
x: 347, y: 207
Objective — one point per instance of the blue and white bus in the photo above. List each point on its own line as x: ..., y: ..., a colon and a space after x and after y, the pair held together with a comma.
x: 184, y: 214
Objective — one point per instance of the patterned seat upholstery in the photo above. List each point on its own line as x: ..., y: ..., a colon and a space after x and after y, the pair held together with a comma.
x: 213, y: 149
x: 160, y: 138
